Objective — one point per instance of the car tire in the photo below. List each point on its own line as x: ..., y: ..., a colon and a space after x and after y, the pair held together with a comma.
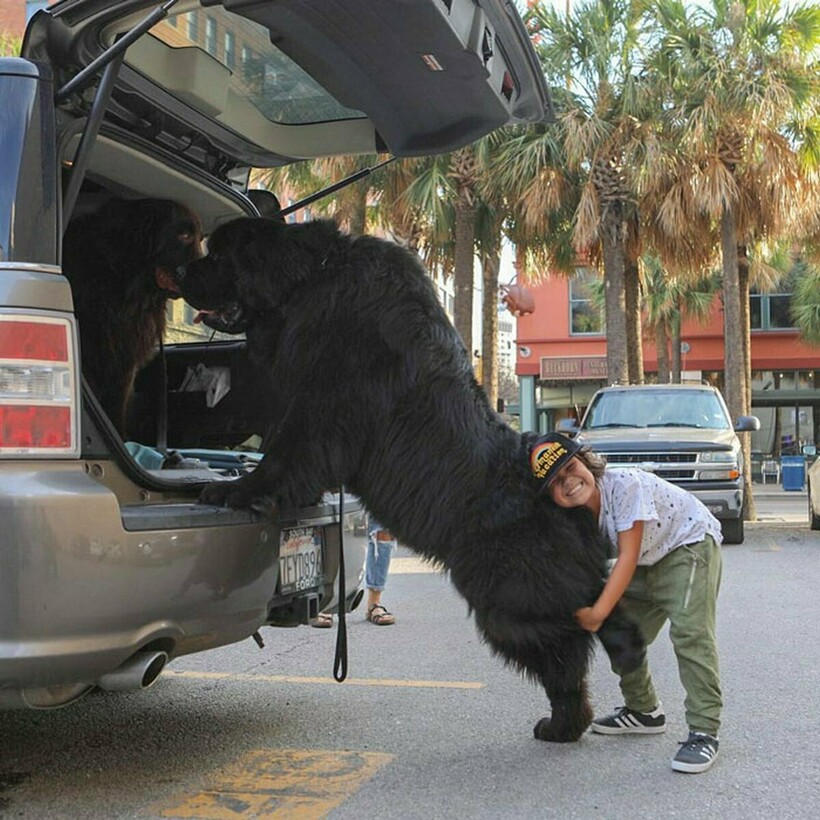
x: 732, y: 530
x: 814, y: 518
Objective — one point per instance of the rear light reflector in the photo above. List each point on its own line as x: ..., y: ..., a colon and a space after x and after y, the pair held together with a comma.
x: 35, y: 426
x: 25, y: 339
x: 38, y: 386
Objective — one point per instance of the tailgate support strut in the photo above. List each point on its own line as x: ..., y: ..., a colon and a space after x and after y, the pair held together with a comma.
x: 110, y: 61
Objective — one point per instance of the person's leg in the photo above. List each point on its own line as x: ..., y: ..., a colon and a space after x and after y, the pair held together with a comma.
x: 377, y: 567
x: 691, y: 580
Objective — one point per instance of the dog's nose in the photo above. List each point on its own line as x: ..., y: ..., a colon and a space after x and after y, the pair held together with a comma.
x: 180, y: 273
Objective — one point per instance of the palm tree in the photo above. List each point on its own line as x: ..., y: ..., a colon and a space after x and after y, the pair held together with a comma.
x: 741, y: 78
x: 9, y: 44
x: 669, y: 300
x: 805, y: 304
x: 741, y: 84
x: 596, y: 51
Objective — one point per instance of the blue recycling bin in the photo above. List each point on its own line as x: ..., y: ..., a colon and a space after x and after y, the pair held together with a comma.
x: 793, y: 472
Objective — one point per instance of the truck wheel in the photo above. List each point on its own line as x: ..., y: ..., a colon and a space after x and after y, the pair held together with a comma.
x: 732, y: 530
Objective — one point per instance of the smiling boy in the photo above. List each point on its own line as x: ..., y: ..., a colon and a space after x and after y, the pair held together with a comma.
x: 668, y: 567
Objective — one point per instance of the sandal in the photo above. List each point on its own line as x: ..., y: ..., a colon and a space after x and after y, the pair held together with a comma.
x: 322, y: 621
x: 379, y: 616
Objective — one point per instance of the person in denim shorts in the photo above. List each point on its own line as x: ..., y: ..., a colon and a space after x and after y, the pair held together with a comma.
x: 380, y: 546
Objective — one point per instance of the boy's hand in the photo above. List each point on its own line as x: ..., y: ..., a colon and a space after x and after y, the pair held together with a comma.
x: 588, y: 619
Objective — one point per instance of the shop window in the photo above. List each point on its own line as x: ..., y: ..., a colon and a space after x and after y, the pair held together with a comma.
x: 585, y: 311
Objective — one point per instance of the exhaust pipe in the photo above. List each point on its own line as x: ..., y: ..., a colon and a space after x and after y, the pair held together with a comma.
x: 138, y: 672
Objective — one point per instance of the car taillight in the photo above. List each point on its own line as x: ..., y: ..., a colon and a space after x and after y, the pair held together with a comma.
x: 38, y: 386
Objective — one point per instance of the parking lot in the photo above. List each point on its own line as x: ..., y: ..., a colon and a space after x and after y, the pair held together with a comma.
x: 430, y: 725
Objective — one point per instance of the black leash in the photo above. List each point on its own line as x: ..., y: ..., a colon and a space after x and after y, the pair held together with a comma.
x: 340, y: 661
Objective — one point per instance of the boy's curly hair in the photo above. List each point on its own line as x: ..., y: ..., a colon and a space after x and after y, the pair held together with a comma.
x: 594, y: 462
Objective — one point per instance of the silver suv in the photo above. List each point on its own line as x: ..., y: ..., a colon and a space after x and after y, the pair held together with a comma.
x: 681, y: 432
x: 109, y: 567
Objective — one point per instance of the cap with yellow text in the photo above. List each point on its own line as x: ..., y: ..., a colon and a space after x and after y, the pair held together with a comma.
x: 548, y: 454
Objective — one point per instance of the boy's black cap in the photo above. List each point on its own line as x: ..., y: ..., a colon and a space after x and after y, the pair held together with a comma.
x: 548, y: 454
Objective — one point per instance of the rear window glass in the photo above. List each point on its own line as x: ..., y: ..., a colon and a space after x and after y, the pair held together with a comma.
x: 259, y: 72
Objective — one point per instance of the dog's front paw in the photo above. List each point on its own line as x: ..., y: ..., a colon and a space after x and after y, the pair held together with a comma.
x: 226, y: 494
x: 545, y: 729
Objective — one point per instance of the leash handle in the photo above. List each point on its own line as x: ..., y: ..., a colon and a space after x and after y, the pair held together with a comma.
x: 340, y: 661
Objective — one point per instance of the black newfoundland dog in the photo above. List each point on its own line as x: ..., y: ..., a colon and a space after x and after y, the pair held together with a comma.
x: 375, y: 391
x: 120, y: 261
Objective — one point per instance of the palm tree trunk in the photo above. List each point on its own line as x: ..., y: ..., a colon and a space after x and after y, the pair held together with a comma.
x: 634, y: 344
x: 662, y: 346
x: 490, y: 265
x: 614, y: 297
x: 733, y: 371
x: 463, y: 271
x: 676, y: 343
x: 358, y: 211
x: 749, y: 506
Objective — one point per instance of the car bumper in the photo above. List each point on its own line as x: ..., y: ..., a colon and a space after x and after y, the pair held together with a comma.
x: 723, y: 503
x: 80, y: 592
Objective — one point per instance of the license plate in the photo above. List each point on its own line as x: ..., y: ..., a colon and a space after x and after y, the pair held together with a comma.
x: 301, y: 564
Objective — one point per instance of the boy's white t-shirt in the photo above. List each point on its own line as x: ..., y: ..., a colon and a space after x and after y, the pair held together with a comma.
x: 672, y: 516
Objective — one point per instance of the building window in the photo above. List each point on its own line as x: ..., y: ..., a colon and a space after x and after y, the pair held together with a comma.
x: 771, y: 311
x: 230, y: 50
x: 210, y: 36
x: 193, y: 26
x: 585, y: 312
x: 247, y: 67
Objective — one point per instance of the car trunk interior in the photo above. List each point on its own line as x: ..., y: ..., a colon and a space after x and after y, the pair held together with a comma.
x: 171, y: 411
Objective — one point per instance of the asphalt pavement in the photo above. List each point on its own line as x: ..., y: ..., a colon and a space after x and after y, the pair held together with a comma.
x: 429, y: 725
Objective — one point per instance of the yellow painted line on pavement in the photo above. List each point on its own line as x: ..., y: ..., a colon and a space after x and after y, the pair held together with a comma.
x: 279, y: 784
x: 409, y: 684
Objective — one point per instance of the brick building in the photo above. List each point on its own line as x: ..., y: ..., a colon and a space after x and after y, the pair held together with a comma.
x: 561, y: 361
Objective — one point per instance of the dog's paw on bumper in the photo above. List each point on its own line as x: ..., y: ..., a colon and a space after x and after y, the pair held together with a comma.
x: 232, y: 494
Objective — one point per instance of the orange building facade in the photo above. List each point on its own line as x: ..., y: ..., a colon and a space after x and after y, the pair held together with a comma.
x: 561, y: 361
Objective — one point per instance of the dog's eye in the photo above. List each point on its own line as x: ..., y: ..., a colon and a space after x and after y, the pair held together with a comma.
x: 187, y: 237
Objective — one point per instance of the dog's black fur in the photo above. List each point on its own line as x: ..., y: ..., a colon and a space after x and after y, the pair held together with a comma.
x: 119, y: 261
x: 376, y: 392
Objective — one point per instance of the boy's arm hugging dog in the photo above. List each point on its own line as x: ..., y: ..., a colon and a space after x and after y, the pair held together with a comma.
x: 376, y: 392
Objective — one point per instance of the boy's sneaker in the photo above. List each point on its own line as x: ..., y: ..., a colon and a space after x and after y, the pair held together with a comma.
x: 696, y: 754
x: 627, y: 721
